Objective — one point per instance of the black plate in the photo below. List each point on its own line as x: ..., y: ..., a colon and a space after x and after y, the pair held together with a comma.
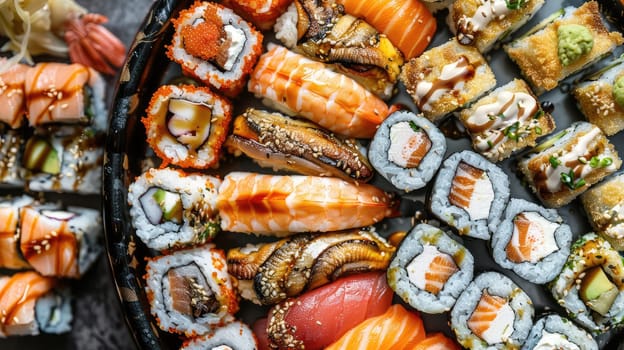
x: 127, y: 155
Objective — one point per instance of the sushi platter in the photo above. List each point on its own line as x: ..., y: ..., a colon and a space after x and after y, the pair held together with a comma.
x: 214, y: 192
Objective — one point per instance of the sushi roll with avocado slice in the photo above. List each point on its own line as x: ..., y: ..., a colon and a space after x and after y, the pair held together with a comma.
x: 190, y: 291
x: 573, y: 39
x: 556, y: 332
x: 591, y: 285
x: 506, y: 120
x: 186, y: 125
x: 430, y: 269
x: 604, y: 205
x: 492, y: 313
x: 407, y: 150
x: 566, y: 165
x: 64, y: 159
x: 601, y: 98
x: 470, y: 194
x: 484, y: 23
x: 532, y: 241
x: 170, y: 208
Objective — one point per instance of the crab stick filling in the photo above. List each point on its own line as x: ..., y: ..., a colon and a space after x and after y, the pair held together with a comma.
x: 472, y: 191
x: 492, y: 320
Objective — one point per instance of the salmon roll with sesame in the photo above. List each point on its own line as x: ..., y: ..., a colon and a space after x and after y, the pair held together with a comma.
x: 190, y: 291
x: 216, y: 46
x: 186, y: 125
x: 10, y: 255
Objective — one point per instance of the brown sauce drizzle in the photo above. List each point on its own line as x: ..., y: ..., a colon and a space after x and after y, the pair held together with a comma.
x: 449, y: 84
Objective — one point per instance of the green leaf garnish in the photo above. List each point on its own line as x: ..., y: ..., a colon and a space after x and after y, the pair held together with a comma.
x: 538, y: 114
x: 210, y: 231
x: 596, y: 162
x: 490, y: 144
x: 512, y: 131
x: 554, y: 161
x: 515, y: 4
x: 414, y: 127
x: 569, y: 180
x: 538, y: 130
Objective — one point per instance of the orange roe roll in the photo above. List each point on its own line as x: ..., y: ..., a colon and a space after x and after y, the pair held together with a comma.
x: 186, y: 125
x: 216, y: 46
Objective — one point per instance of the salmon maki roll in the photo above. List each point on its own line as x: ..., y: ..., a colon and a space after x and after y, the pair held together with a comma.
x: 12, y: 96
x: 532, y: 241
x: 554, y: 331
x: 407, y: 23
x: 470, y: 194
x: 430, y: 269
x: 492, y: 313
x: 31, y: 304
x: 282, y: 205
x: 215, y: 46
x: 299, y: 86
x: 397, y: 328
x: 60, y: 242
x: 10, y: 255
x: 268, y: 273
x: 262, y: 13
x: 190, y: 291
x: 186, y: 125
x: 65, y: 94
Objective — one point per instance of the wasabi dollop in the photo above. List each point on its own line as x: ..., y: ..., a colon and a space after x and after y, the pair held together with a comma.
x: 618, y: 91
x: 575, y: 40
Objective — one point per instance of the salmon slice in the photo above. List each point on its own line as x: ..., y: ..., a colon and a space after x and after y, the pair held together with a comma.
x: 437, y: 341
x: 48, y: 244
x: 55, y: 93
x: 18, y: 295
x: 419, y: 145
x: 442, y: 267
x: 396, y: 329
x: 407, y: 23
x: 12, y: 97
x: 311, y: 90
x: 463, y: 184
x: 9, y: 255
x: 485, y: 313
x: 279, y: 205
x: 532, y: 239
x: 522, y: 251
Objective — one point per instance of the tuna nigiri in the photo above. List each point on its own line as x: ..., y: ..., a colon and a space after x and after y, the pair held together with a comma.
x: 407, y: 23
x: 280, y: 205
x: 297, y: 85
x: 319, y: 317
x: 396, y: 329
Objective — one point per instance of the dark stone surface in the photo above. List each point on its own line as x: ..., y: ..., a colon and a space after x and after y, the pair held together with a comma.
x: 98, y: 321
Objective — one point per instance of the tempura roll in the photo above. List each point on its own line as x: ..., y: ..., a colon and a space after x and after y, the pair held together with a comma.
x: 604, y: 205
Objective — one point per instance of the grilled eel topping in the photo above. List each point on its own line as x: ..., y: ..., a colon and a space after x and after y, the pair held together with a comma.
x: 277, y: 141
x: 271, y: 272
x: 326, y: 33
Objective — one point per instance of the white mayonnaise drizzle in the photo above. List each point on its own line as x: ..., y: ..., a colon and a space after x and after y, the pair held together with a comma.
x: 450, y: 72
x: 616, y: 222
x: 486, y: 13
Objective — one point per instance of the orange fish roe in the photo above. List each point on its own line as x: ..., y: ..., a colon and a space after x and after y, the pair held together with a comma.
x: 204, y: 39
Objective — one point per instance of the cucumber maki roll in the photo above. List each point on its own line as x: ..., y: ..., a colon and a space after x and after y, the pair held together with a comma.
x: 470, y: 194
x: 591, y: 285
x: 532, y: 241
x: 170, y: 208
x: 430, y: 269
x: 407, y: 150
x: 556, y: 332
x: 492, y: 313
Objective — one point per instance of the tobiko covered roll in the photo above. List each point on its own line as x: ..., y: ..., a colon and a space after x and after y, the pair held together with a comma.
x: 10, y: 254
x: 470, y: 194
x: 190, y: 291
x: 556, y: 332
x: 284, y: 143
x: 407, y: 150
x: 299, y: 86
x: 60, y: 242
x: 430, y: 269
x: 31, y: 304
x: 186, y: 125
x: 591, y: 285
x: 492, y: 313
x: 532, y: 241
x: 170, y: 208
x: 215, y: 45
x: 268, y: 273
x: 565, y: 165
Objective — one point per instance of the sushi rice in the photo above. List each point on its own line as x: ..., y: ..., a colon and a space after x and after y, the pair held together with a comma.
x: 554, y: 331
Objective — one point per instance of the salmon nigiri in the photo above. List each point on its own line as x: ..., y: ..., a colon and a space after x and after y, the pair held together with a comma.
x: 280, y: 205
x: 319, y: 317
x: 298, y: 85
x: 396, y: 329
x: 407, y: 23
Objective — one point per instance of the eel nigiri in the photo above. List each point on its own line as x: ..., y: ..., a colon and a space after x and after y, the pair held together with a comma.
x: 320, y: 317
x: 407, y: 23
x: 280, y: 205
x: 396, y: 329
x: 297, y: 85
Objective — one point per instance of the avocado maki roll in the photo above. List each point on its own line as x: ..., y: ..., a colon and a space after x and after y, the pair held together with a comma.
x: 591, y: 285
